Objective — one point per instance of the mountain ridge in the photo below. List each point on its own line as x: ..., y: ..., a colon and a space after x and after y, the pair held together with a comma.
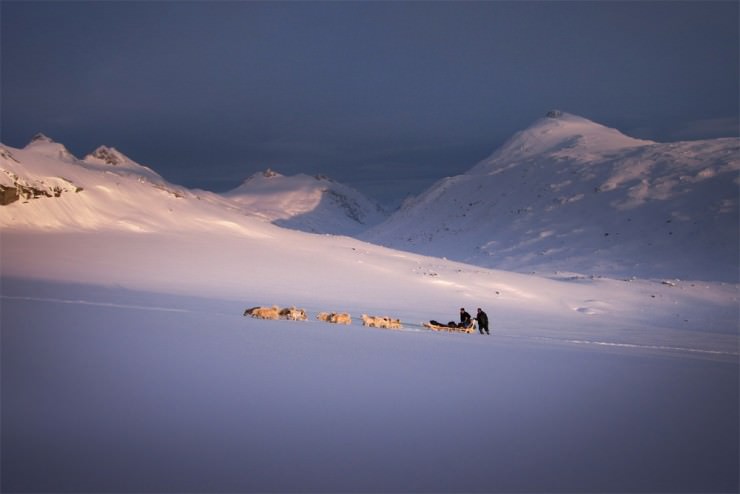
x: 565, y: 195
x: 118, y: 192
x: 570, y: 195
x: 45, y: 187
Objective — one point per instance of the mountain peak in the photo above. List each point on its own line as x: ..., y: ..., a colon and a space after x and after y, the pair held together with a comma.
x: 564, y: 125
x: 568, y: 194
x: 41, y: 138
x: 559, y: 135
x: 105, y: 157
x: 568, y: 122
x: 259, y: 177
x: 108, y: 155
x: 43, y: 144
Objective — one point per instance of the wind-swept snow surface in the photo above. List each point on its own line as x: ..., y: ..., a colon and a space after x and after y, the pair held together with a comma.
x: 571, y: 195
x: 127, y: 364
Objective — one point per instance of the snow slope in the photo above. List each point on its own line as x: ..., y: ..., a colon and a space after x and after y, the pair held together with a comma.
x: 311, y: 204
x: 124, y: 225
x: 568, y: 194
x: 127, y: 365
x: 105, y: 190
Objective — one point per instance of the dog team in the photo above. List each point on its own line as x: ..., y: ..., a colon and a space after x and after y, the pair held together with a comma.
x: 295, y: 314
x: 467, y: 323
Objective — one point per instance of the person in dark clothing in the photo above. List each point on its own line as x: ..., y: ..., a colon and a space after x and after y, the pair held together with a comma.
x: 482, y: 319
x: 465, y: 320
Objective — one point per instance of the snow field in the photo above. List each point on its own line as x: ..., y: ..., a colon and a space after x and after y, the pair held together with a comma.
x: 326, y: 273
x: 191, y: 398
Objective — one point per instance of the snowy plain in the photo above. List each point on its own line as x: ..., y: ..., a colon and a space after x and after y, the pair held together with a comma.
x: 127, y: 365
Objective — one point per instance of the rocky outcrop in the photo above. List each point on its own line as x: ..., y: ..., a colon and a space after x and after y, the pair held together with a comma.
x: 16, y: 189
x: 108, y: 155
x: 9, y: 195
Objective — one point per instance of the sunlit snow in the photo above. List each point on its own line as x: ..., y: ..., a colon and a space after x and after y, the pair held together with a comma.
x: 128, y: 366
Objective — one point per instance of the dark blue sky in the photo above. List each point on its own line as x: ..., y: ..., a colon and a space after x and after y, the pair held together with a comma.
x: 386, y: 97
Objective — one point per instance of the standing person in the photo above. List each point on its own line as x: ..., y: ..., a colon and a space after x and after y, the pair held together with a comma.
x: 464, y: 318
x: 482, y: 319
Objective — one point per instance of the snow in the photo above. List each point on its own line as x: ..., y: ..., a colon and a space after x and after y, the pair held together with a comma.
x: 128, y: 366
x: 310, y: 204
x: 568, y: 194
x: 564, y: 135
x: 96, y: 194
x: 173, y: 394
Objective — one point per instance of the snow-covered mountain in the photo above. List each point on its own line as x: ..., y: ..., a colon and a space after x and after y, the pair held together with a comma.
x: 43, y: 186
x: 302, y: 202
x: 108, y: 218
x: 118, y: 192
x: 568, y: 194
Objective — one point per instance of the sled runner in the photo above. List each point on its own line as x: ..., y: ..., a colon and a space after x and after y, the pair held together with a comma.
x: 435, y: 326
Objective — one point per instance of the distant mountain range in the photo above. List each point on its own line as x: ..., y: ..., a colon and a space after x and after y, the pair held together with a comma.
x: 565, y: 195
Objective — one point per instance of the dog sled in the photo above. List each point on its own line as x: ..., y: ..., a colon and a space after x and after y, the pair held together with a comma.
x: 450, y: 327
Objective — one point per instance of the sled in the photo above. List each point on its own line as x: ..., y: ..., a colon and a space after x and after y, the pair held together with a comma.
x: 443, y: 327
